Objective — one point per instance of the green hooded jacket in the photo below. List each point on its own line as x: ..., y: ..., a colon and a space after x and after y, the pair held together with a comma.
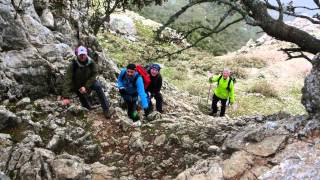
x: 81, y: 75
x: 221, y: 91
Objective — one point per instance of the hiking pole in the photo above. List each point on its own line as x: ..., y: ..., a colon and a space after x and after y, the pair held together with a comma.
x: 209, y: 75
x: 209, y: 92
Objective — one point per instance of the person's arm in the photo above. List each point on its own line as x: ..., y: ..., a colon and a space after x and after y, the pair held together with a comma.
x: 159, y: 85
x: 231, y: 95
x: 120, y: 83
x: 93, y: 76
x: 67, y: 84
x: 142, y: 93
x: 214, y: 78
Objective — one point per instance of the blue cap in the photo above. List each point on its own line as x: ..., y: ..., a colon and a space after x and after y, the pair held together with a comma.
x: 156, y: 66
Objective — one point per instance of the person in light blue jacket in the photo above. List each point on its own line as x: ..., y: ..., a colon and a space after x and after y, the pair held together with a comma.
x: 130, y: 85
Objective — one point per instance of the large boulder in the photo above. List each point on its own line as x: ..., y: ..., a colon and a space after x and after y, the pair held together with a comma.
x: 122, y: 24
x: 311, y: 93
x: 33, y: 58
x: 299, y: 160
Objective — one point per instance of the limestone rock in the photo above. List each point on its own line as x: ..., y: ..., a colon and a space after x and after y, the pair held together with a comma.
x: 238, y: 163
x: 297, y: 161
x: 266, y: 147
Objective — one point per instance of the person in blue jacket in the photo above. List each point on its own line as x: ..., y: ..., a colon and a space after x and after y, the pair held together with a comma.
x: 130, y: 85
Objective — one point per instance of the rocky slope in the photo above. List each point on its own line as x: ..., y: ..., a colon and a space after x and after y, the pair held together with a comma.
x: 41, y: 139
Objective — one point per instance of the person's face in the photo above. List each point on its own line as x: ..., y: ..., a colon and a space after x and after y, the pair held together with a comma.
x: 83, y: 57
x: 225, y: 74
x: 154, y: 72
x: 130, y: 72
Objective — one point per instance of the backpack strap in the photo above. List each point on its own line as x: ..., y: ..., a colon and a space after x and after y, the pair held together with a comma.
x: 74, y: 69
x: 219, y: 79
x: 134, y: 80
x: 229, y: 82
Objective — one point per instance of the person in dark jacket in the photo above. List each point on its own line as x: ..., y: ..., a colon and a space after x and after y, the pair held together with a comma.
x: 130, y: 85
x: 154, y: 88
x: 81, y: 79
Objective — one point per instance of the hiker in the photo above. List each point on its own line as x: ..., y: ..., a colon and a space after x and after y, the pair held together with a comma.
x: 153, y: 90
x: 130, y: 84
x: 81, y: 79
x: 223, y: 92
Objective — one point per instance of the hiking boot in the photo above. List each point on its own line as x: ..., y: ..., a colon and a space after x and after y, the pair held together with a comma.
x: 108, y: 114
x: 212, y: 114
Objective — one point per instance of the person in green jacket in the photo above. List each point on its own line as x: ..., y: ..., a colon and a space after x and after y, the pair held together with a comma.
x: 223, y: 92
x: 80, y: 78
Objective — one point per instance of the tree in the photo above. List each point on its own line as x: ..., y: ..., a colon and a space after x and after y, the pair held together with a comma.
x: 257, y: 13
x: 97, y: 12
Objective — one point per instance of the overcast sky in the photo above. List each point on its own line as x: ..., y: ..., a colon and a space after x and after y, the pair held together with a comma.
x: 307, y: 3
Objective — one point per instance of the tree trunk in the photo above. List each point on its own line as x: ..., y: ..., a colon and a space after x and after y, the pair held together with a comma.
x: 280, y: 30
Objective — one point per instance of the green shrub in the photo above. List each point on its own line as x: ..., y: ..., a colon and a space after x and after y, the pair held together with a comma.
x: 246, y: 62
x: 264, y: 88
x: 239, y: 72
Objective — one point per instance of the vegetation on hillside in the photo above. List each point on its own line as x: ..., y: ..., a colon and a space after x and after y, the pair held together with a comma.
x: 205, y: 15
x: 188, y: 72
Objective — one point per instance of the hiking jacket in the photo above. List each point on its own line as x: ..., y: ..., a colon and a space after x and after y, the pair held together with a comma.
x: 79, y: 75
x: 133, y: 89
x: 221, y: 91
x: 155, y: 85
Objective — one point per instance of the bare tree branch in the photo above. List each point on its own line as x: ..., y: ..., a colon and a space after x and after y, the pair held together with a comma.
x: 216, y: 30
x: 290, y: 52
x: 177, y: 14
x: 280, y: 10
x: 307, y: 8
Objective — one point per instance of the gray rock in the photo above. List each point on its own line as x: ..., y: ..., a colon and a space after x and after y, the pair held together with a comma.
x: 238, y: 163
x: 190, y: 159
x: 186, y: 142
x: 166, y: 163
x: 173, y: 139
x: 41, y: 4
x: 310, y: 94
x: 297, y: 161
x: 23, y: 102
x: 309, y: 127
x: 55, y: 142
x: 68, y: 167
x: 267, y: 147
x: 255, y: 135
x: 271, y: 125
x: 5, y: 150
x: 47, y: 19
x: 204, y: 170
x: 136, y: 142
x: 3, y: 176
x: 213, y: 149
x: 122, y: 24
x: 160, y: 140
x: 100, y: 171
x: 7, y: 118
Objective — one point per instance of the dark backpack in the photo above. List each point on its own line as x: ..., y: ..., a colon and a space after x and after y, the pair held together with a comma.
x: 143, y: 73
x: 229, y: 82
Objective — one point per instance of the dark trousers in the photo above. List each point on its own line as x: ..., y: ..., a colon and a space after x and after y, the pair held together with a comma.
x: 214, y: 106
x: 102, y: 98
x: 131, y: 102
x: 159, y: 100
